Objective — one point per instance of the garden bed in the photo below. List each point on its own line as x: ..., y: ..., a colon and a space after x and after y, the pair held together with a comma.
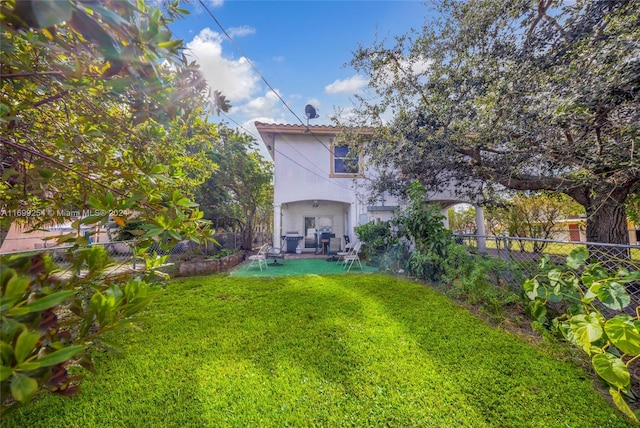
x: 208, y: 266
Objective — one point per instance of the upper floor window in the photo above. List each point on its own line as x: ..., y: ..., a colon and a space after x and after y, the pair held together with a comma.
x: 346, y: 161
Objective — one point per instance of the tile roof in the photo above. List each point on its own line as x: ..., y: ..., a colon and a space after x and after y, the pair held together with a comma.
x: 287, y: 128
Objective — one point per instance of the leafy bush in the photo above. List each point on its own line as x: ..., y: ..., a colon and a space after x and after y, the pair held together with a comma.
x: 478, y: 279
x: 53, y: 319
x: 423, y: 265
x: 422, y: 223
x: 377, y: 239
x: 569, y: 301
x: 223, y: 253
x: 394, y: 259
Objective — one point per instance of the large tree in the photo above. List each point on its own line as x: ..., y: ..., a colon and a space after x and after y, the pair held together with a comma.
x: 240, y: 190
x: 101, y: 118
x: 100, y: 113
x: 520, y: 94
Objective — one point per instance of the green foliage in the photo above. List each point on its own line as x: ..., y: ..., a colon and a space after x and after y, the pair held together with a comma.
x: 479, y: 280
x: 438, y: 259
x: 239, y: 193
x: 462, y: 221
x: 377, y: 238
x: 633, y: 206
x: 93, y: 124
x: 423, y: 224
x: 50, y: 321
x: 223, y: 253
x: 567, y: 300
x: 464, y: 90
x: 531, y: 215
x: 103, y: 116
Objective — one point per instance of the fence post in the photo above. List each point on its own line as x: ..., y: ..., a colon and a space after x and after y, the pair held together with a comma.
x: 507, y: 256
x: 135, y: 255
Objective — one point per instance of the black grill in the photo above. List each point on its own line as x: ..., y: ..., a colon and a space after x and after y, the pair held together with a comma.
x: 292, y: 241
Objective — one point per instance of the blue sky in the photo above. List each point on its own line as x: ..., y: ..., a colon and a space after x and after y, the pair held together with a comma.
x: 300, y: 47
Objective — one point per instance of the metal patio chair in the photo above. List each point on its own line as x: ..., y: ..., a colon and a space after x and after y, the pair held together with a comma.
x: 260, y: 257
x: 353, y: 256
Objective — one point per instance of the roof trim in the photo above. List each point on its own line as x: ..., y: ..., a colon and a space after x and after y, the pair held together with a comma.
x: 383, y: 208
x: 281, y: 128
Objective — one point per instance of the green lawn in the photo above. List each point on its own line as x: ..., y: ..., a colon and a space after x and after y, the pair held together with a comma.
x: 342, y: 350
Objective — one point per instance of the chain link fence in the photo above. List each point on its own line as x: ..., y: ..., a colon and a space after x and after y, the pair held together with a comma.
x: 523, y: 255
x: 123, y: 252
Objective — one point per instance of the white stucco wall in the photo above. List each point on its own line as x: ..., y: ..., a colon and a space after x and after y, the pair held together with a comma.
x: 303, y: 168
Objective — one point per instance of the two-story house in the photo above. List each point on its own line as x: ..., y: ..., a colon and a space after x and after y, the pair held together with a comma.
x: 320, y: 187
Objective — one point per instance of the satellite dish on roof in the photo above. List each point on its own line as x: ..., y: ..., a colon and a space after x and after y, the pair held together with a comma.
x: 311, y: 112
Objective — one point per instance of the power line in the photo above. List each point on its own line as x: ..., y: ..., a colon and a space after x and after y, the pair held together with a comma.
x: 291, y: 159
x: 261, y: 75
x: 288, y: 144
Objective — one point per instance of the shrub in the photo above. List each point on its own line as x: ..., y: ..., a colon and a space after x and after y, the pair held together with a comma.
x: 569, y: 300
x: 422, y: 223
x: 377, y: 238
x: 223, y: 253
x: 395, y: 258
x: 478, y: 279
x: 53, y: 319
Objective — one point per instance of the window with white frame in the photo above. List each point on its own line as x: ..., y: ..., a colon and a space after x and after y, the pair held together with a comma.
x: 345, y: 161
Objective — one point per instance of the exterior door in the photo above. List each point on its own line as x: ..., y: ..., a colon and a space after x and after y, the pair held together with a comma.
x: 574, y: 233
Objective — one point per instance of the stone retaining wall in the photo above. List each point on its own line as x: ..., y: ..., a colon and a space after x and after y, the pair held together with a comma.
x: 205, y: 267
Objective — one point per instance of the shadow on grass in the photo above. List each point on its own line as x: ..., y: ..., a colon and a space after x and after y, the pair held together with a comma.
x: 357, y: 350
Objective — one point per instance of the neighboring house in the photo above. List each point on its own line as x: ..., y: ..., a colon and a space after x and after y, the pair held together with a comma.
x: 574, y: 229
x: 320, y: 187
x: 19, y: 237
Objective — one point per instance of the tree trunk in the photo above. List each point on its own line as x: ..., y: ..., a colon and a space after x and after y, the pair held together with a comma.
x: 607, y: 223
x: 247, y: 239
x: 248, y: 233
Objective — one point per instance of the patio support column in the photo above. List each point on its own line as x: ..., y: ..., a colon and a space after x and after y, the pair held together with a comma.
x: 445, y: 214
x: 480, y: 230
x: 277, y: 226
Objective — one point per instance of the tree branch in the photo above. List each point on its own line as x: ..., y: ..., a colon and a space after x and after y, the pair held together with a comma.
x: 51, y: 98
x: 31, y: 74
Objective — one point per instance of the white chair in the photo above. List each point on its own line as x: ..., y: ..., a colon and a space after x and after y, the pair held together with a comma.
x: 353, y: 257
x: 260, y: 257
x: 347, y: 250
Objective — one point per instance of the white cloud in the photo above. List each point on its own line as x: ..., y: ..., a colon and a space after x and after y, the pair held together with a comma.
x: 266, y: 106
x: 234, y: 78
x: 216, y: 3
x: 245, y: 30
x: 348, y: 86
x: 278, y: 58
x: 315, y: 102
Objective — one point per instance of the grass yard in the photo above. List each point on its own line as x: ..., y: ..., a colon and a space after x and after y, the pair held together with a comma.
x: 342, y: 350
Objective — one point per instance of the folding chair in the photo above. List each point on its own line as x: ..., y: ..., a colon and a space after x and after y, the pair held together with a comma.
x: 260, y: 257
x: 347, y: 250
x: 353, y: 257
